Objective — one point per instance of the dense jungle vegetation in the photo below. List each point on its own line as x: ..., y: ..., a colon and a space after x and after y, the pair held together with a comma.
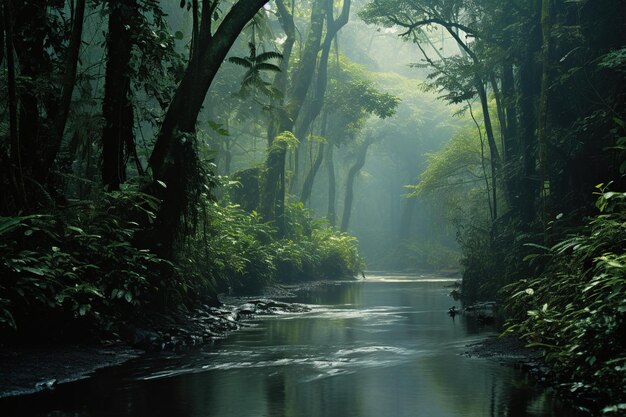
x: 155, y: 154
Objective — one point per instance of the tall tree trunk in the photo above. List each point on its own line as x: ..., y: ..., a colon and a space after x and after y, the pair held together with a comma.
x: 352, y: 173
x: 274, y: 210
x: 69, y: 80
x: 15, y: 178
x: 30, y: 30
x: 280, y: 80
x: 529, y: 83
x: 479, y: 84
x: 494, y: 155
x: 331, y: 213
x: 317, y: 101
x: 183, y: 111
x: 542, y: 128
x: 307, y: 187
x: 510, y: 148
x: 500, y: 110
x: 117, y: 108
x: 174, y: 158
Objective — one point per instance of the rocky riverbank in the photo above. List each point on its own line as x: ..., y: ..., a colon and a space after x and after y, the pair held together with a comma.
x: 25, y: 370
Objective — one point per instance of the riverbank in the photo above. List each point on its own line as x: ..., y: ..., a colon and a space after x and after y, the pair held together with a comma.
x: 511, y: 351
x: 28, y: 369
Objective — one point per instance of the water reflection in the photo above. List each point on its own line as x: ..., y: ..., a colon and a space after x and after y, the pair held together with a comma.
x: 374, y: 348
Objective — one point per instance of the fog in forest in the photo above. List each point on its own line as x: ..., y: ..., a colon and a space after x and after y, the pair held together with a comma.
x: 172, y: 170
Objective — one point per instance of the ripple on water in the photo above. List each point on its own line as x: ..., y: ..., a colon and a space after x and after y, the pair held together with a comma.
x: 312, y: 363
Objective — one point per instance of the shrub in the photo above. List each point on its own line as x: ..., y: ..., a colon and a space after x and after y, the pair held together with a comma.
x: 77, y: 264
x: 576, y: 309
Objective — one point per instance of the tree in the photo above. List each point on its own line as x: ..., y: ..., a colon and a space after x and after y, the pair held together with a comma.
x: 40, y: 39
x: 272, y: 204
x: 174, y: 160
x: 117, y: 109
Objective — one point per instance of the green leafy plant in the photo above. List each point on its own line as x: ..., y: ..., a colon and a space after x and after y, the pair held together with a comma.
x: 576, y: 309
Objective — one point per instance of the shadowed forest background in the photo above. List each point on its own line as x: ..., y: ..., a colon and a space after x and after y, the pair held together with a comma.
x: 157, y: 153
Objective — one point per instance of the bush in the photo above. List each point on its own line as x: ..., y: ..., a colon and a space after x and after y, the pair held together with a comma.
x: 80, y: 267
x: 77, y: 264
x: 576, y: 309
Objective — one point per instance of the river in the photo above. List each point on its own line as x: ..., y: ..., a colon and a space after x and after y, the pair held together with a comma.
x: 381, y: 347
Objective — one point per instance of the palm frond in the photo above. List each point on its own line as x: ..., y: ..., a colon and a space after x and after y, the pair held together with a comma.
x: 264, y: 66
x: 244, y: 62
x: 265, y: 56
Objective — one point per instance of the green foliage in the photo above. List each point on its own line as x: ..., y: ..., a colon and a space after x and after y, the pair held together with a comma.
x: 236, y: 251
x: 254, y: 64
x: 352, y: 97
x: 456, y: 169
x: 284, y: 140
x: 79, y: 263
x: 576, y: 309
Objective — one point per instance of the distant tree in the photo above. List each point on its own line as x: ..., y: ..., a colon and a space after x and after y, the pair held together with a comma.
x: 274, y: 189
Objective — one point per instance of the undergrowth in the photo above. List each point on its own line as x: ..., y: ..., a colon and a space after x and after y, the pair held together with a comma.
x: 80, y: 273
x: 576, y: 309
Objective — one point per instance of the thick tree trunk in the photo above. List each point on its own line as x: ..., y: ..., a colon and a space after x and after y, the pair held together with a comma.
x: 510, y: 148
x: 500, y: 110
x: 528, y: 123
x: 182, y: 113
x: 174, y: 159
x: 352, y: 173
x: 117, y: 108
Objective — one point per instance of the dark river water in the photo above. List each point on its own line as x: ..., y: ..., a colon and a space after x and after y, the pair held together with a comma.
x: 383, y: 347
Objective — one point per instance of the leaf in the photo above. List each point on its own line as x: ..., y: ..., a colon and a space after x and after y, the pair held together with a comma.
x: 243, y: 62
x: 179, y: 35
x: 161, y: 183
x: 534, y: 245
x: 539, y: 344
x: 128, y: 296
x: 36, y: 271
x: 267, y: 67
x: 76, y: 229
x: 269, y: 55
